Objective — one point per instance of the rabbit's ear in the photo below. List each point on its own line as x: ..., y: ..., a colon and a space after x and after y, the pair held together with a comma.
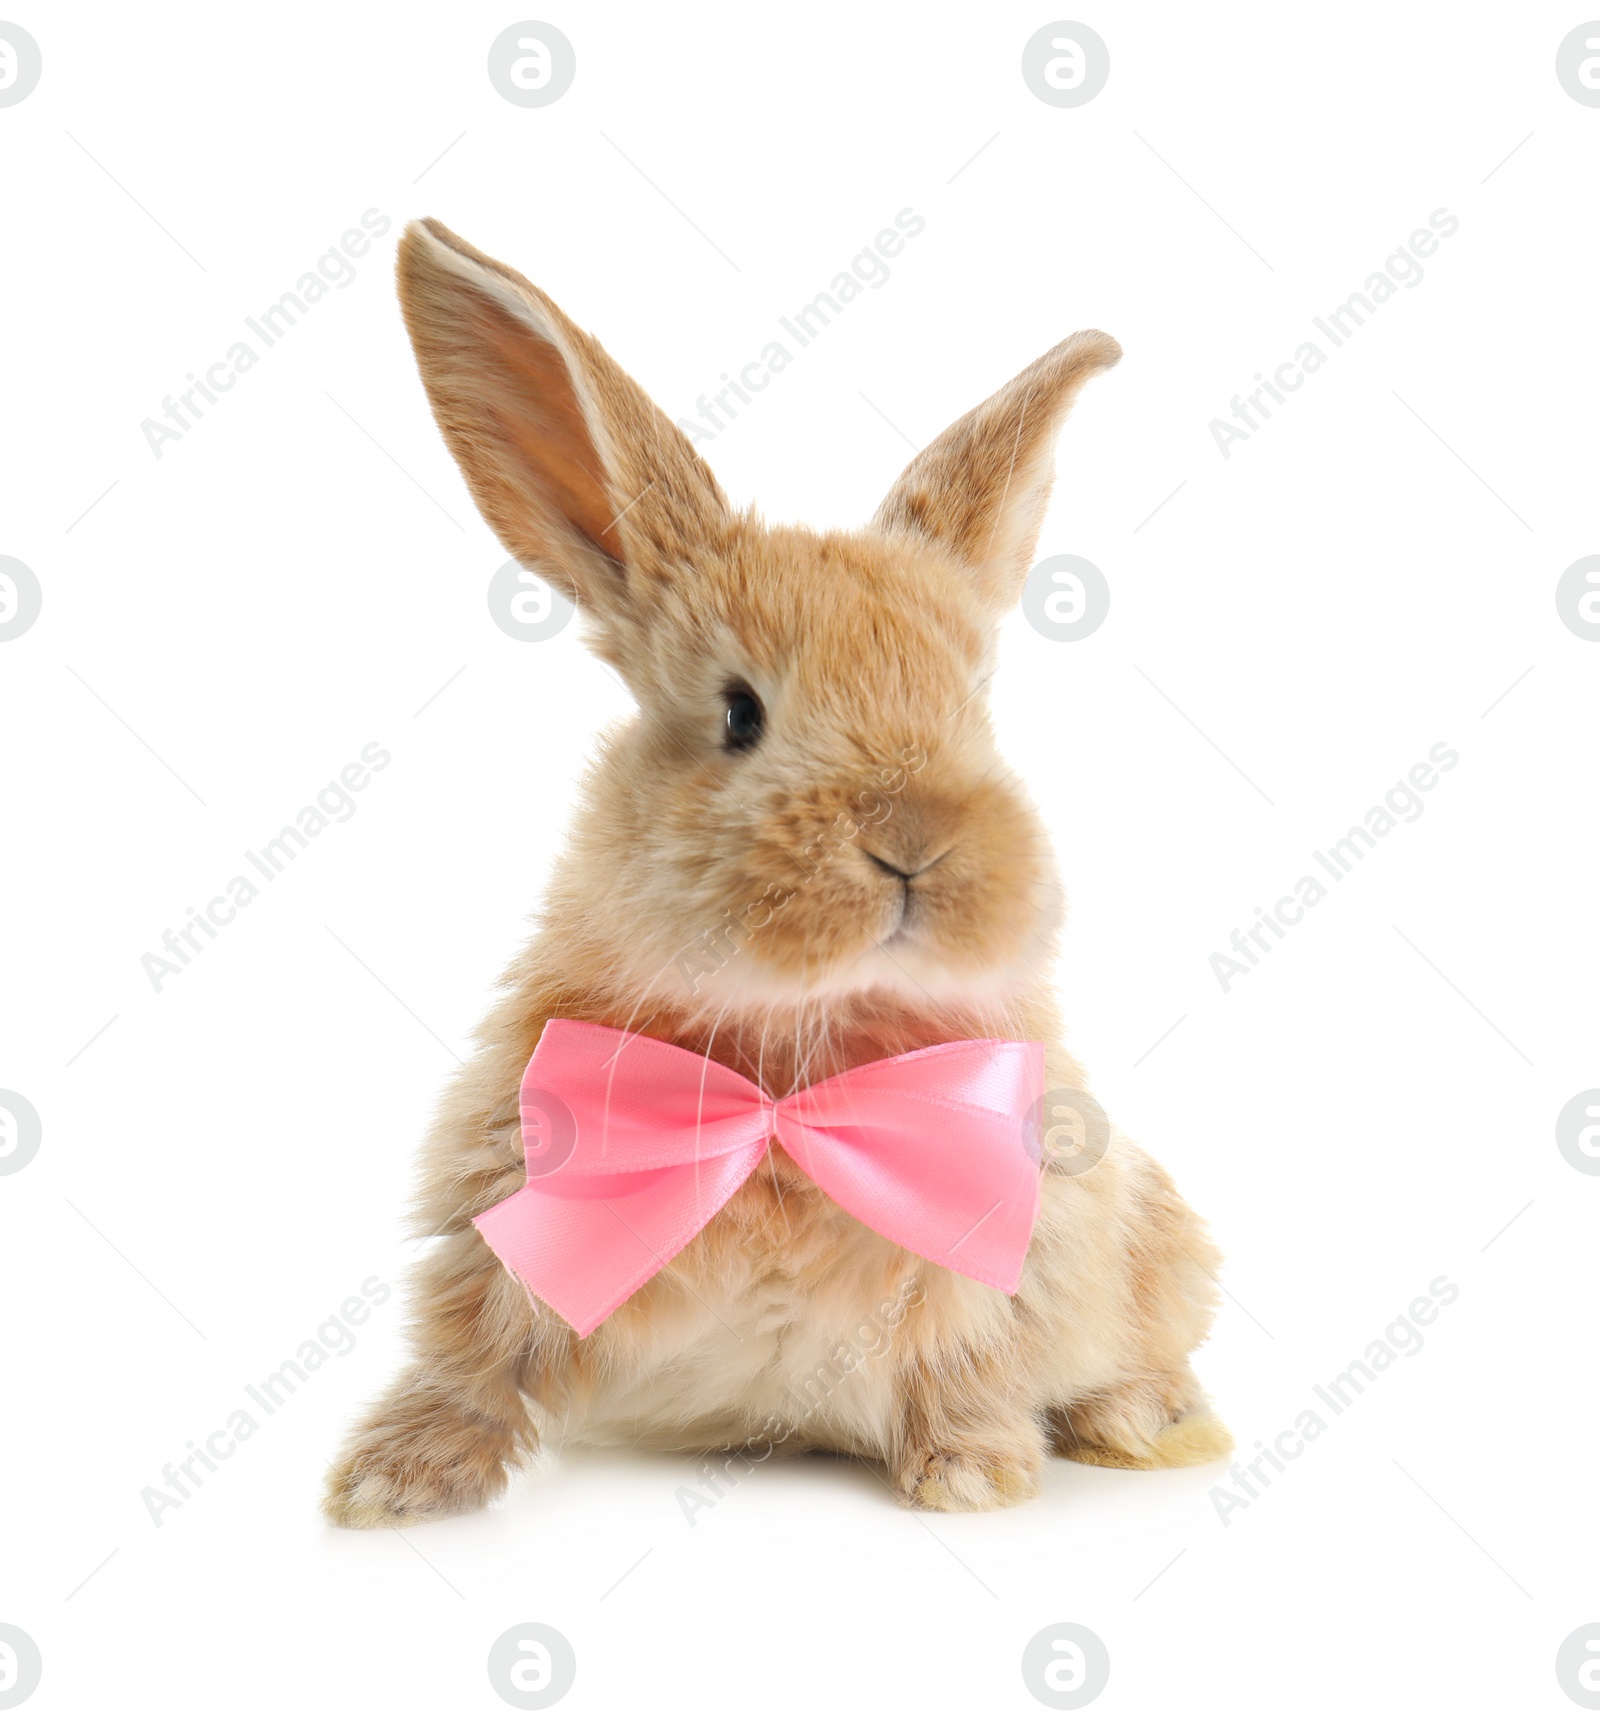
x: 575, y: 469
x: 981, y: 488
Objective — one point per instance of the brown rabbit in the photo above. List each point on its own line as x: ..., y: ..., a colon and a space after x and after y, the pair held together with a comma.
x: 779, y: 672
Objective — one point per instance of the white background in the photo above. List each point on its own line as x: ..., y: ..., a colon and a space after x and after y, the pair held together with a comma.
x: 303, y: 572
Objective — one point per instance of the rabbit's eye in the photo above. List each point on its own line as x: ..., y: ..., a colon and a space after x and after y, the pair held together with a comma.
x: 744, y: 721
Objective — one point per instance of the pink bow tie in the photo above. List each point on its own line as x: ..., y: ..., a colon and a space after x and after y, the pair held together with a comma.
x: 632, y: 1145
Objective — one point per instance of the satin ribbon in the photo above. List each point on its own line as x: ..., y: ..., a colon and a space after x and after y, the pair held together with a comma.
x: 632, y: 1145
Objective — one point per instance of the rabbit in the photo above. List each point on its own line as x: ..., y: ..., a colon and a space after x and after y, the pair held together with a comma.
x: 778, y: 672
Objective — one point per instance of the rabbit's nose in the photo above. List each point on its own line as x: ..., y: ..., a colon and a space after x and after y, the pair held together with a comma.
x: 899, y: 867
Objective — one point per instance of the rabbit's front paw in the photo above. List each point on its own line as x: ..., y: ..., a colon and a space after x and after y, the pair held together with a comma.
x: 970, y: 1476
x: 402, y: 1469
